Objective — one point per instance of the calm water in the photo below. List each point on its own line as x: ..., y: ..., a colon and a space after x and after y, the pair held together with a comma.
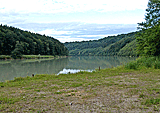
x: 15, y: 68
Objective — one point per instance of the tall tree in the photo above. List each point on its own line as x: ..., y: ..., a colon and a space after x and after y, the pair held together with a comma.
x: 149, y: 38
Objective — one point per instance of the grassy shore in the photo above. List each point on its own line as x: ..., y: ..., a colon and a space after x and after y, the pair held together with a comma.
x: 109, y: 90
x: 3, y: 57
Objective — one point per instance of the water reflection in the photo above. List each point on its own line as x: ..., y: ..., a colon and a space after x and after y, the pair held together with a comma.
x: 93, y: 62
x: 23, y: 68
x: 66, y: 71
x: 16, y: 68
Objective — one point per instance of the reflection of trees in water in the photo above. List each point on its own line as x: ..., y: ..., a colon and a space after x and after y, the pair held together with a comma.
x: 20, y: 68
x: 24, y: 68
x: 92, y: 62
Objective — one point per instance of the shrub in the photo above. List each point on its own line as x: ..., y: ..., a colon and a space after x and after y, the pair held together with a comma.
x: 132, y: 65
x: 148, y: 63
x: 157, y: 65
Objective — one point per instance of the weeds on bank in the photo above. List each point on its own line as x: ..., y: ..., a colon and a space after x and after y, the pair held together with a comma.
x: 148, y: 62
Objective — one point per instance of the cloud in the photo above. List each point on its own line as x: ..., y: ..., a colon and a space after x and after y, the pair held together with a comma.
x: 69, y: 6
x: 68, y: 20
x: 100, y: 5
x: 95, y: 11
x: 55, y: 32
x: 21, y: 6
x: 66, y: 32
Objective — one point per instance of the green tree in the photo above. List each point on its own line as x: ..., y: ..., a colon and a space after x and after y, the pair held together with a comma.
x: 17, y: 52
x: 149, y: 38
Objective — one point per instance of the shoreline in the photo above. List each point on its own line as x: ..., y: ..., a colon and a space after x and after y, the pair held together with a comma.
x: 8, y: 57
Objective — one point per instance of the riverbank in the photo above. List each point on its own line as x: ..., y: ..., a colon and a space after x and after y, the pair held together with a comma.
x: 5, y: 57
x: 109, y: 90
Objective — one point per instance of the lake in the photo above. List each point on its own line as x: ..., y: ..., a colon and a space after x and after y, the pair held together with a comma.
x: 10, y: 69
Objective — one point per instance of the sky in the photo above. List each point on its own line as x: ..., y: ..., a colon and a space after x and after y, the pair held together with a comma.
x: 72, y: 20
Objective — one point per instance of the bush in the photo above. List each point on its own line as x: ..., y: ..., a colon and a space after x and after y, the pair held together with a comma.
x: 157, y: 64
x: 132, y: 65
x: 149, y: 62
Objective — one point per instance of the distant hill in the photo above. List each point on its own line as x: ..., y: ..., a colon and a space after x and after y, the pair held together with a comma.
x: 16, y: 42
x: 120, y: 45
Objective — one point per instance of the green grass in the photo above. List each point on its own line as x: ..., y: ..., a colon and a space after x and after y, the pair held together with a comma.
x: 109, y: 90
x: 152, y: 101
x: 29, y: 56
x: 5, y: 57
x: 36, y: 56
x: 7, y: 100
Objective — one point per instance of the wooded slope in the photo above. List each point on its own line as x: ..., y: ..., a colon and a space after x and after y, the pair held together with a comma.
x: 121, y: 45
x: 16, y: 42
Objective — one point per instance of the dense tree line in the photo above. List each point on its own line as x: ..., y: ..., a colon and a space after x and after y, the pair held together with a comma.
x: 108, y: 46
x: 16, y: 42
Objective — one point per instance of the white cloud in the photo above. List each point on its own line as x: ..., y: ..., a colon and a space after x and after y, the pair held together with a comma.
x: 55, y: 32
x: 57, y: 6
x: 105, y: 5
x: 23, y: 12
x: 89, y: 11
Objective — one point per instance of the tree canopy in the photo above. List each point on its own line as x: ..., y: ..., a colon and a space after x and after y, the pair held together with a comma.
x: 148, y: 41
x: 16, y: 42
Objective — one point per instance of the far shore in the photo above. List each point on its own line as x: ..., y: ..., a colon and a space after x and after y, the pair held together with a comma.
x: 6, y: 57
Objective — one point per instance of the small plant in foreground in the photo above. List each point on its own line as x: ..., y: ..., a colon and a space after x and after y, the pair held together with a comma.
x: 152, y: 101
x: 156, y: 108
x: 141, y: 95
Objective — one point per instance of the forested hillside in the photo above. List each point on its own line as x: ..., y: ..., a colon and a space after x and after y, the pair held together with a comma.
x: 122, y: 45
x: 16, y: 42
